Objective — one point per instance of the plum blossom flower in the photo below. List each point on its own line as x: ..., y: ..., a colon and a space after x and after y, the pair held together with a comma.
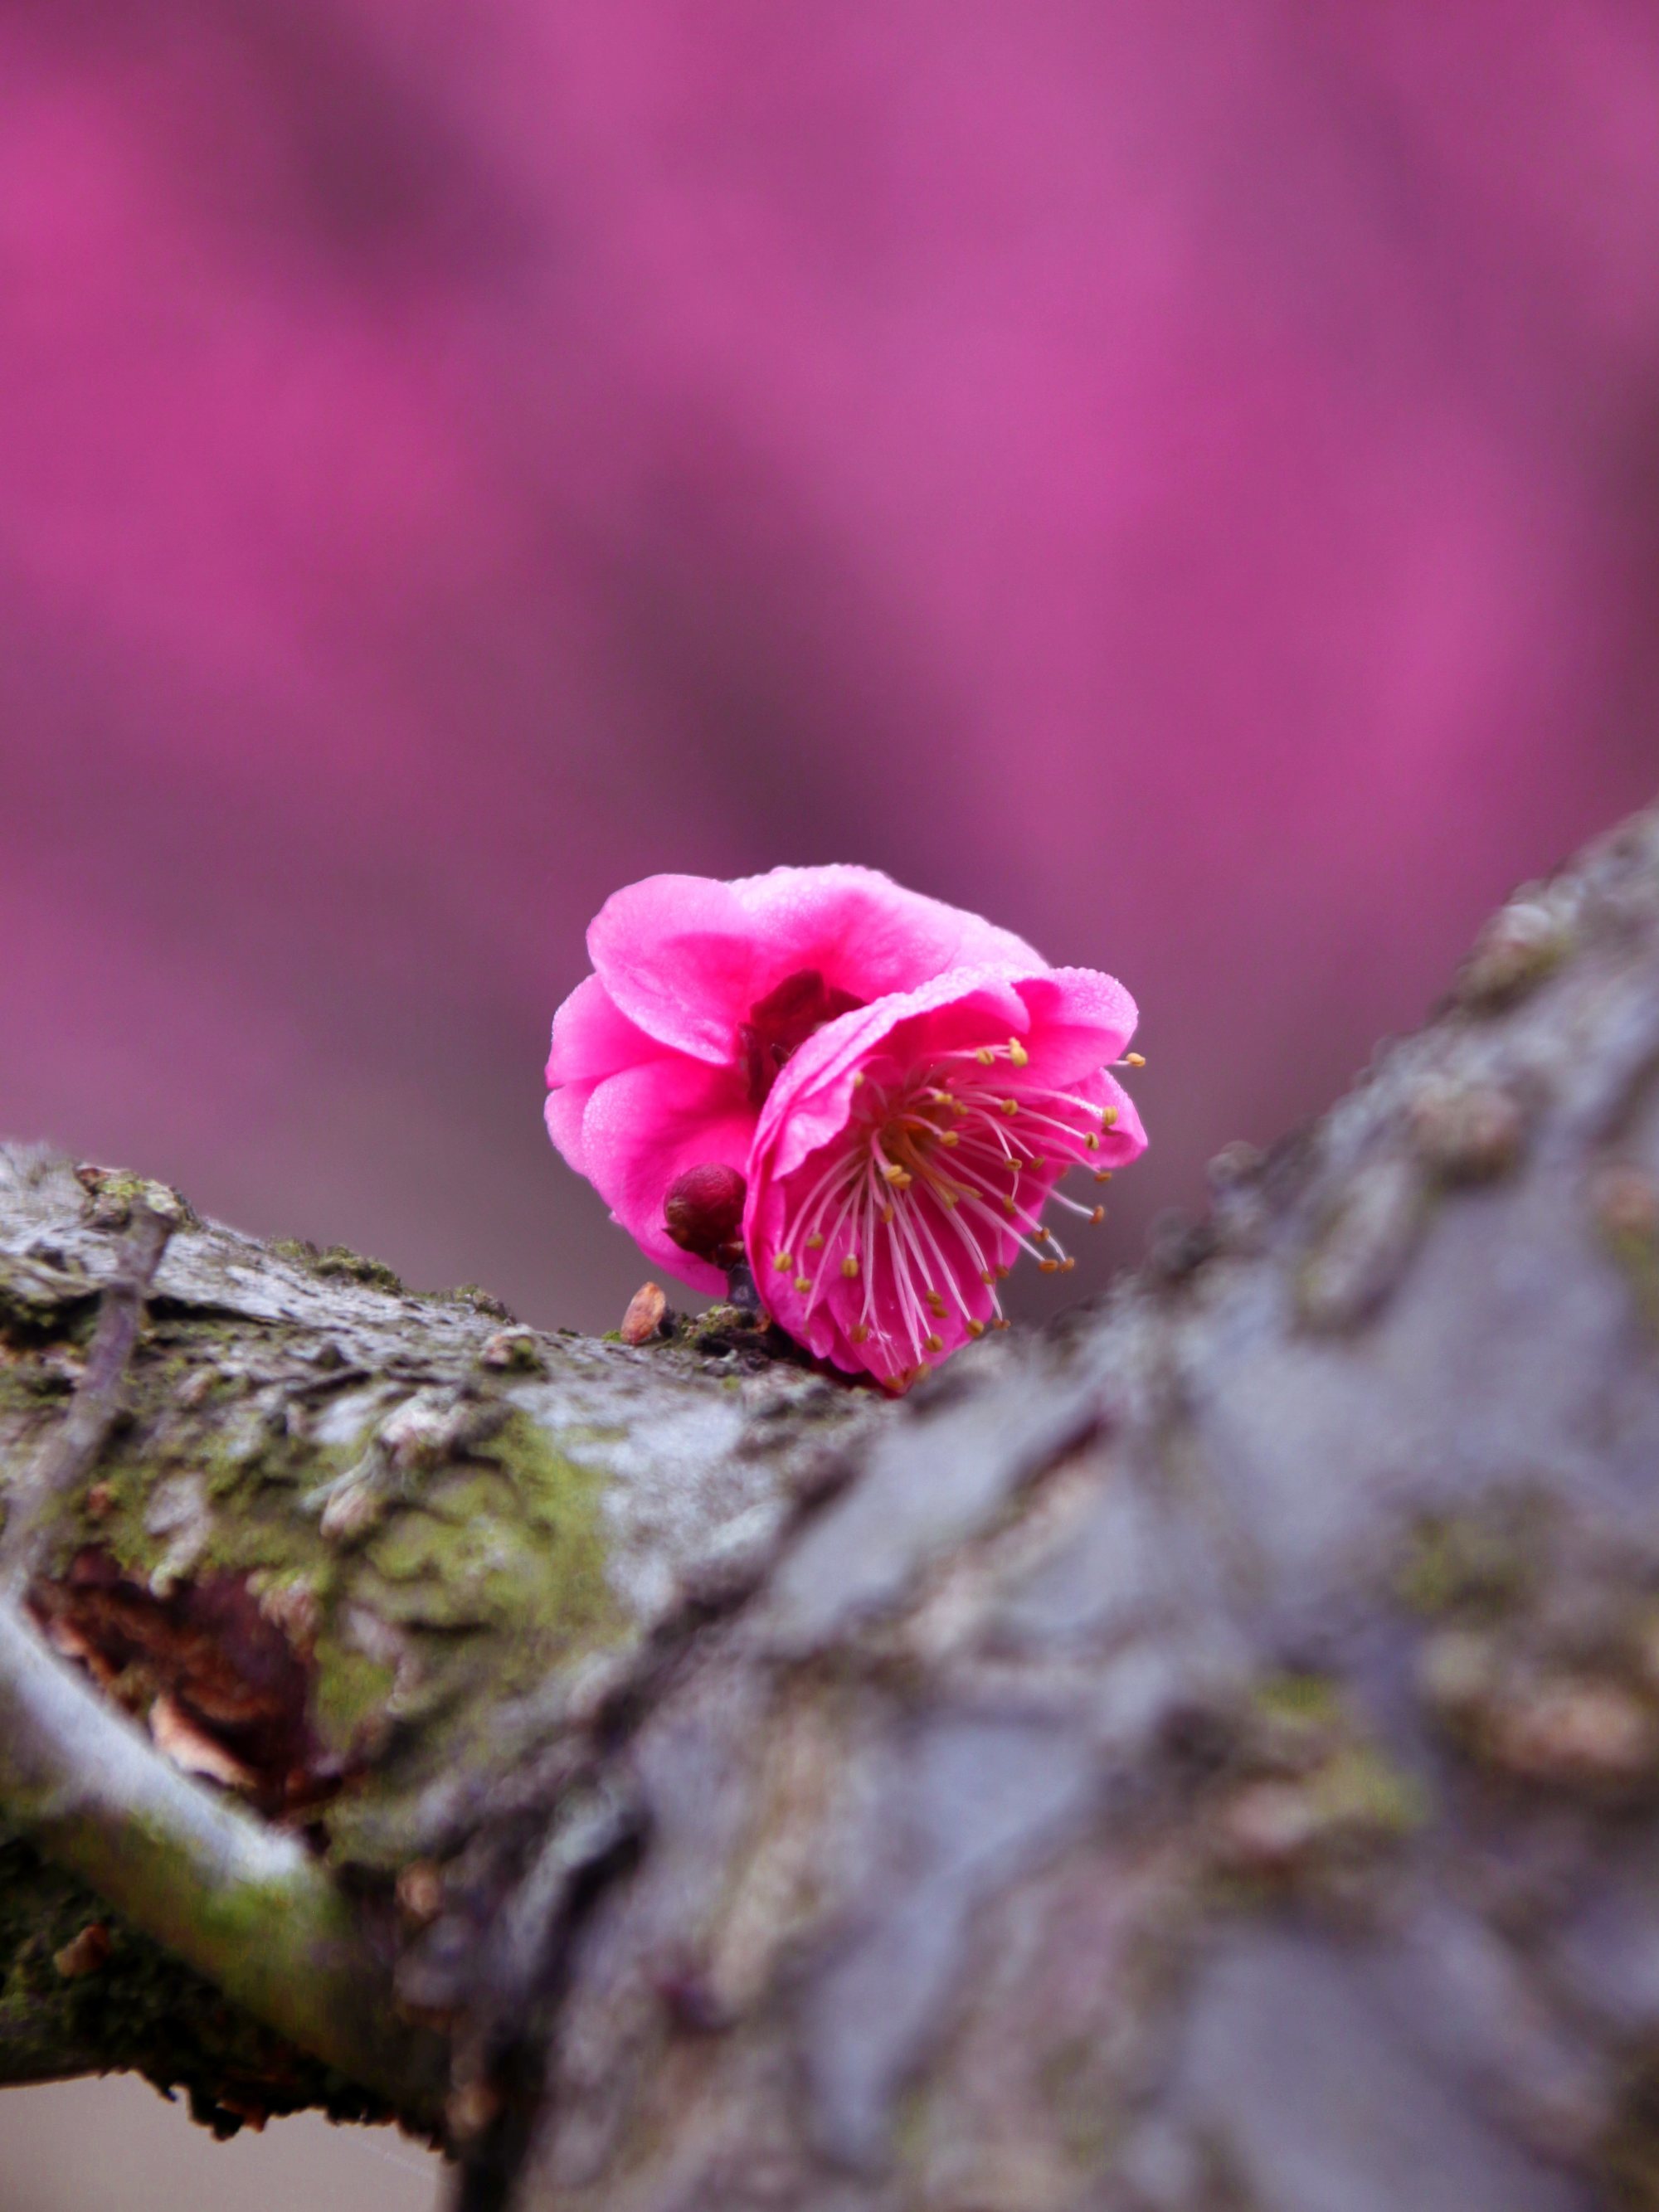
x: 703, y: 994
x: 905, y: 1156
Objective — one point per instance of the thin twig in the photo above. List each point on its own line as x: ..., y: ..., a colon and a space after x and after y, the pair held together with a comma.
x: 243, y: 1904
x: 71, y: 1451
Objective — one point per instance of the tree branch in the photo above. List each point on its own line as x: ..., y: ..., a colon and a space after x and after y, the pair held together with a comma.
x: 372, y: 1563
x: 1209, y: 1756
x: 245, y: 1905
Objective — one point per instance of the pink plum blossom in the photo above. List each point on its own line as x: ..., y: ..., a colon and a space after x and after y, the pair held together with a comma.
x: 906, y: 1153
x: 701, y: 995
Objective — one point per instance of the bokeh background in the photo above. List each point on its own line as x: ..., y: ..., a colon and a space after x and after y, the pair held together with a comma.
x: 1182, y: 478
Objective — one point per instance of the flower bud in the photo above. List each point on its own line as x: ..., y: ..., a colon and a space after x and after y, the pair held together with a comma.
x: 703, y: 1212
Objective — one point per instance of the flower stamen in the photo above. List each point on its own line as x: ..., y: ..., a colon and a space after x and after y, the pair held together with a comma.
x: 927, y: 1146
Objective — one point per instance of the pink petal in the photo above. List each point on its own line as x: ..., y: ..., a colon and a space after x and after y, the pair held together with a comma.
x: 1078, y: 1019
x: 686, y: 958
x: 592, y: 1036
x: 810, y: 1098
x: 591, y: 1039
x: 1125, y: 1139
x: 645, y: 1127
x: 1069, y: 1025
x: 678, y: 955
x: 868, y: 934
x: 563, y: 1114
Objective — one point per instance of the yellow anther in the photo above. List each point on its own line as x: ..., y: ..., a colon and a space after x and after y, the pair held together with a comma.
x: 1018, y: 1052
x: 1134, y: 1059
x: 1002, y: 1322
x: 986, y: 1275
x: 894, y: 1174
x: 887, y: 1215
x: 1040, y: 1234
x: 849, y: 1266
x: 949, y: 1197
x: 949, y: 1137
x: 783, y: 1262
x: 858, y: 1078
x: 815, y: 1242
x: 1103, y: 1175
x: 976, y: 1328
x: 859, y: 1333
x: 1091, y: 1143
x: 933, y: 1343
x: 1014, y: 1166
x: 1009, y: 1208
x: 985, y: 1055
x: 1098, y: 1215
x: 1109, y: 1118
x: 1048, y: 1266
x: 1067, y: 1265
x: 936, y: 1305
x: 802, y: 1282
x: 1009, y: 1105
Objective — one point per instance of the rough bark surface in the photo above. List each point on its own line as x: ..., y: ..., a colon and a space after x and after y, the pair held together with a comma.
x: 1206, y: 1759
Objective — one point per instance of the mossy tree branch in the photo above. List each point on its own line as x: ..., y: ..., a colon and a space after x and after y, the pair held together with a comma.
x: 247, y: 1907
x: 1208, y: 1757
x: 369, y: 1562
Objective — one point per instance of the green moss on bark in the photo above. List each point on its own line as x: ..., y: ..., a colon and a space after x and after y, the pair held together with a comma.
x: 140, y: 2010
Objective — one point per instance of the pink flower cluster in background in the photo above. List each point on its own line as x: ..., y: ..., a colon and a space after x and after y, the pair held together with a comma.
x: 869, y: 1094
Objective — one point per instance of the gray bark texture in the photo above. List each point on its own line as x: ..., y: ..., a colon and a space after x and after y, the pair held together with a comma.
x: 1205, y: 1759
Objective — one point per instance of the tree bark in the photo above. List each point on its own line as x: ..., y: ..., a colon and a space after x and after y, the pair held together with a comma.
x: 1206, y: 1758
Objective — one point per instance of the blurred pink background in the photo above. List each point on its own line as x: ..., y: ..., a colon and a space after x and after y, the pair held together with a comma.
x: 1183, y: 479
